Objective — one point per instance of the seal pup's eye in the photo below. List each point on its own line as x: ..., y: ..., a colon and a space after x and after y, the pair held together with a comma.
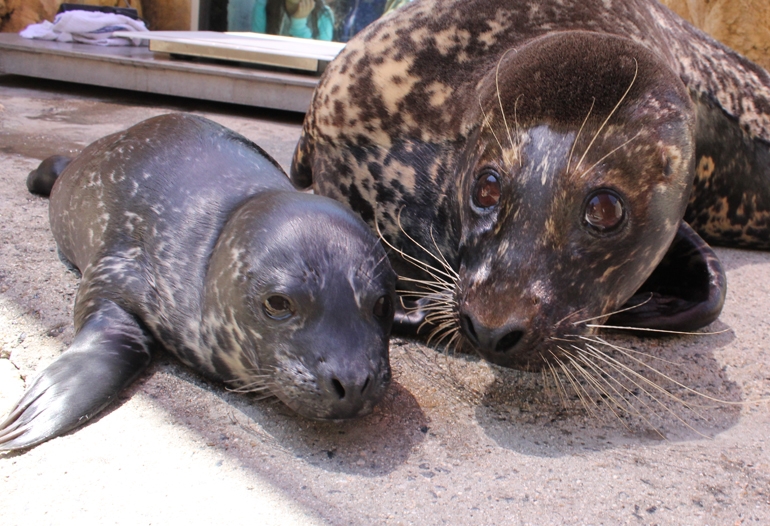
x: 383, y: 307
x: 486, y: 191
x: 277, y: 307
x: 604, y: 210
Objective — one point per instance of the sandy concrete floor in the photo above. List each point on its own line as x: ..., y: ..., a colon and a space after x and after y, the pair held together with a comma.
x: 456, y: 441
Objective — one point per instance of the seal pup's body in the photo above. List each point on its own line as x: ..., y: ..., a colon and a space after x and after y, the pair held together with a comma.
x: 549, y: 151
x: 190, y: 236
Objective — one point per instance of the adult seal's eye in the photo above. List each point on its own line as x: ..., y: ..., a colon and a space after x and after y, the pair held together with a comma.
x: 486, y: 190
x: 277, y: 307
x: 383, y: 307
x: 604, y: 211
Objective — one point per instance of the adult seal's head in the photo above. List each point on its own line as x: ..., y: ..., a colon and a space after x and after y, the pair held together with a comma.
x: 537, y: 165
x: 190, y: 236
x: 571, y: 190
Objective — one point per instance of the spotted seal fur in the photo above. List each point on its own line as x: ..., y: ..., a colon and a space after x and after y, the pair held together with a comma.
x: 190, y: 236
x: 538, y: 165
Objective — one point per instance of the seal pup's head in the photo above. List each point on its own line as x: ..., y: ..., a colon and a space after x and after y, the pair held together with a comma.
x: 573, y: 186
x: 302, y: 294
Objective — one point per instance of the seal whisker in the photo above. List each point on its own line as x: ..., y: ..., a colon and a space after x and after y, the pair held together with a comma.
x: 592, y: 382
x: 437, y: 306
x: 575, y: 386
x: 442, y: 327
x: 608, y: 154
x: 580, y: 130
x: 647, y: 366
x: 250, y: 389
x: 489, y: 125
x: 427, y: 283
x: 500, y: 102
x: 560, y: 389
x: 661, y: 331
x: 454, y: 342
x: 598, y: 387
x: 599, y: 131
x: 629, y: 374
x: 443, y: 260
x: 449, y: 272
x: 601, y: 378
x: 611, y: 313
x: 518, y: 135
x: 411, y: 259
x: 439, y: 341
x: 638, y: 381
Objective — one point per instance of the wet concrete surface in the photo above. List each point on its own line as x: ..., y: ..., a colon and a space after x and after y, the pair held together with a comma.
x: 456, y: 441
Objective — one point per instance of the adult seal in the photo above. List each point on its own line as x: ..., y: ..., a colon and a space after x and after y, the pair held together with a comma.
x: 190, y: 236
x: 541, y: 165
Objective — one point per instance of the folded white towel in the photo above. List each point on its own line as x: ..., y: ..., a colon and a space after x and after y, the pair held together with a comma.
x: 88, y: 27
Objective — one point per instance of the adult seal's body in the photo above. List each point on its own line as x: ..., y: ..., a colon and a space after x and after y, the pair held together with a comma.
x: 544, y: 158
x: 188, y: 235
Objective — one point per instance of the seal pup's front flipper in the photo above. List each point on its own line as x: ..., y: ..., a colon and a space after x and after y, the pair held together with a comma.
x: 40, y: 181
x: 685, y: 292
x: 108, y: 353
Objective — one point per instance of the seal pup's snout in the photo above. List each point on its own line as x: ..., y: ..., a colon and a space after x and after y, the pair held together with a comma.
x: 351, y: 390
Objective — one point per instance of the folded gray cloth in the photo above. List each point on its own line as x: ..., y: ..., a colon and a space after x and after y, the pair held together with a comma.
x: 87, y: 27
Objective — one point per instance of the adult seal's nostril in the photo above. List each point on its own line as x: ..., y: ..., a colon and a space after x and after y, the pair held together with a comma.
x: 508, y: 341
x: 492, y: 340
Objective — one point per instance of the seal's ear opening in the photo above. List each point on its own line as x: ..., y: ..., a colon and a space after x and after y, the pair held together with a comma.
x: 685, y: 292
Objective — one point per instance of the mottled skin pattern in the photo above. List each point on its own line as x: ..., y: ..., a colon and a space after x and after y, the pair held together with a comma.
x: 183, y: 231
x: 421, y: 103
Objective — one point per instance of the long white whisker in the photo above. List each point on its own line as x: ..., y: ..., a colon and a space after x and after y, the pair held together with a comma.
x: 500, y: 101
x: 599, y: 131
x: 608, y: 154
x: 661, y: 331
x: 580, y: 130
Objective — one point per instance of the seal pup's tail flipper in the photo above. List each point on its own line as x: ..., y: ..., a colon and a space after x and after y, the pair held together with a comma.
x: 109, y: 352
x: 41, y: 179
x: 685, y: 292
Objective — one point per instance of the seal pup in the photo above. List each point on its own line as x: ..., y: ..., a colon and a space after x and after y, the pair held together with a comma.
x: 538, y: 165
x: 190, y: 236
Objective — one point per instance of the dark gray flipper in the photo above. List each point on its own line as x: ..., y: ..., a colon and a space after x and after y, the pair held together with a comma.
x: 409, y: 318
x: 109, y: 352
x: 730, y: 203
x: 685, y: 292
x: 41, y: 179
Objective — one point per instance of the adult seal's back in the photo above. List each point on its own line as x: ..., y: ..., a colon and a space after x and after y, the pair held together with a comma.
x: 539, y: 165
x: 190, y: 236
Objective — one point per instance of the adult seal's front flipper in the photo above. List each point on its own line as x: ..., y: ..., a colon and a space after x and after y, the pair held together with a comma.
x: 109, y: 352
x: 685, y: 292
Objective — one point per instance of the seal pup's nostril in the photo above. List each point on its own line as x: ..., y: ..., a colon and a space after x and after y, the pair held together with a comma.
x: 338, y: 388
